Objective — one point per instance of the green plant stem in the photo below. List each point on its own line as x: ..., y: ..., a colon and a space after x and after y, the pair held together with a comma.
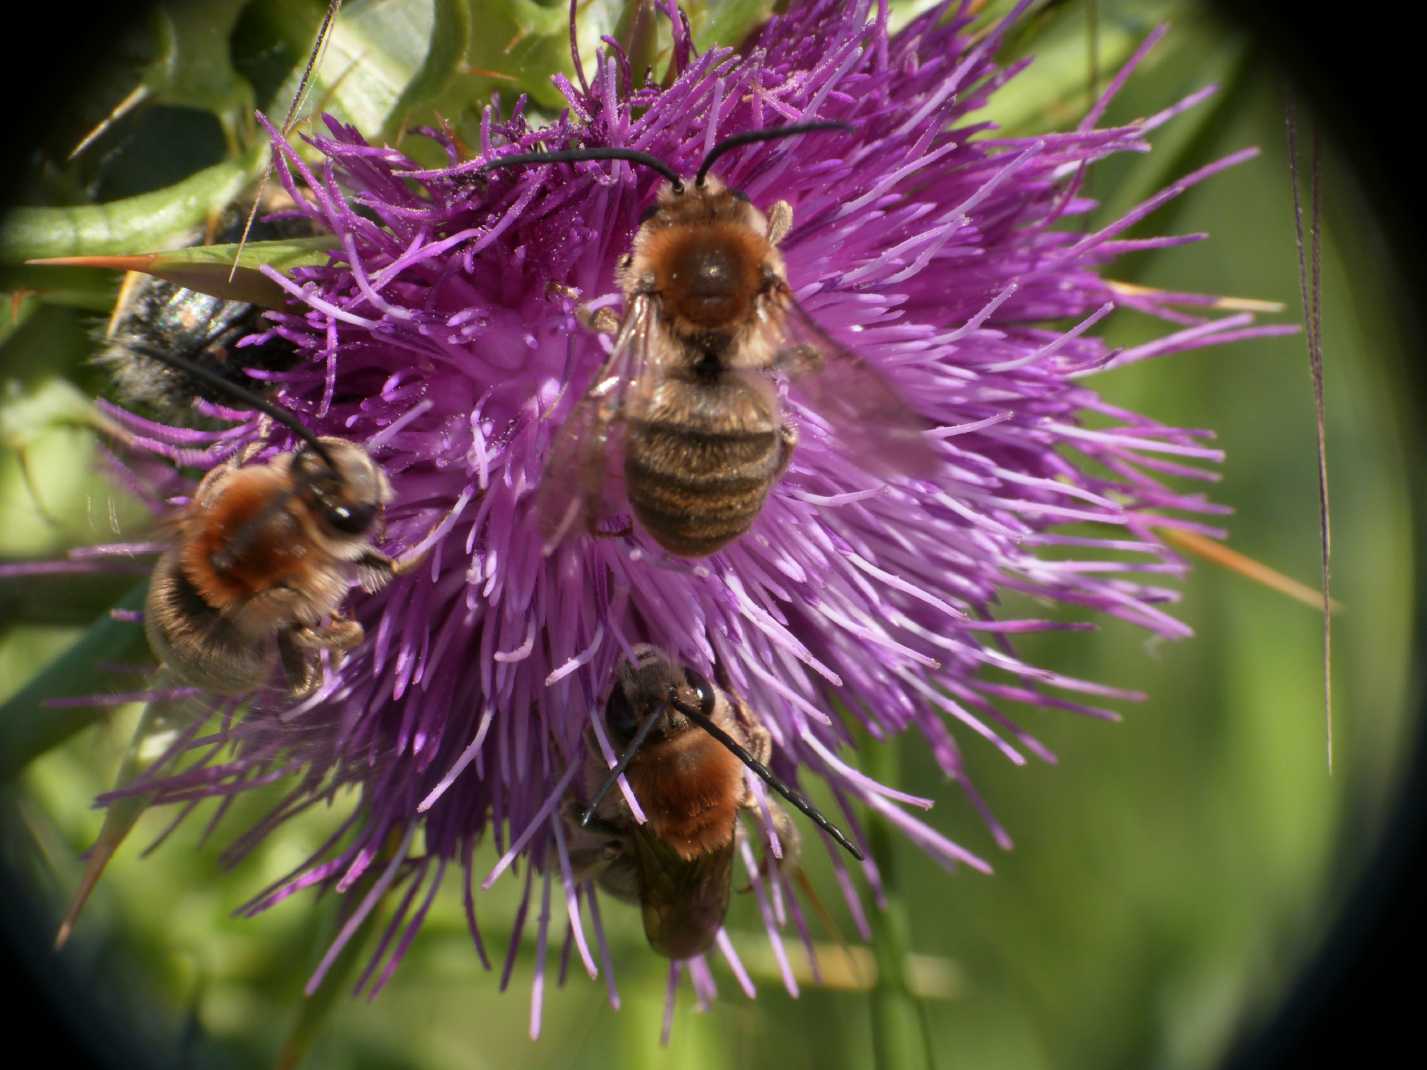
x: 901, y: 1035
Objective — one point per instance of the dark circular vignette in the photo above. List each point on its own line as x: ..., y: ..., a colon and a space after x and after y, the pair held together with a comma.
x: 1348, y: 70
x: 53, y: 48
x: 1351, y: 1001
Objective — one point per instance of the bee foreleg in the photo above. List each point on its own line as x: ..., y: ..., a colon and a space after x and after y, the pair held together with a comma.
x: 780, y: 221
x: 757, y: 740
x: 375, y: 569
x: 790, y: 844
x: 299, y: 644
x: 593, y: 847
x: 787, y: 442
x: 248, y: 452
x: 339, y: 634
x: 624, y: 529
x: 303, y: 671
x: 605, y: 321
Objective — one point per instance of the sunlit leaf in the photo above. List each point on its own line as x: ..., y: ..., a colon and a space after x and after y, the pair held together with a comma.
x: 209, y: 268
x: 148, y: 221
x: 28, y: 727
x: 160, y: 719
x: 1061, y: 84
x: 194, y: 67
x: 726, y: 22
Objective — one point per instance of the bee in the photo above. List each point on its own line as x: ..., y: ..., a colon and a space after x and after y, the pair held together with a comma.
x: 155, y: 314
x: 264, y: 557
x: 685, y: 744
x: 709, y: 319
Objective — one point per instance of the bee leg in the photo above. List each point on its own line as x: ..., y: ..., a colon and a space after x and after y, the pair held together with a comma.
x: 340, y: 634
x: 624, y: 529
x: 780, y: 221
x: 756, y: 738
x: 375, y: 569
x: 605, y: 321
x: 303, y: 671
x: 248, y: 452
x: 593, y: 847
x: 787, y: 442
x: 759, y: 742
x: 790, y: 843
x: 298, y: 647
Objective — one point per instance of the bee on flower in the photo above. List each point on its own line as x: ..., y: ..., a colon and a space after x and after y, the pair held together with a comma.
x: 805, y: 457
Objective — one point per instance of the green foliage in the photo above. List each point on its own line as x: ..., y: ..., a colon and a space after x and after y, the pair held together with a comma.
x: 137, y: 224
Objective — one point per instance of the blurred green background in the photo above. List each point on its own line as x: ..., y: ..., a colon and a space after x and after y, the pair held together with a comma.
x: 1171, y: 874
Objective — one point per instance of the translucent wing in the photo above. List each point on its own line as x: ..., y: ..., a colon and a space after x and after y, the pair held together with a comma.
x: 683, y: 903
x: 574, y: 490
x: 870, y: 419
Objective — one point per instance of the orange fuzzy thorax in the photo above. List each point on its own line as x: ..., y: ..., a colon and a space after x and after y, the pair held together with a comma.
x: 265, y: 544
x: 689, y: 786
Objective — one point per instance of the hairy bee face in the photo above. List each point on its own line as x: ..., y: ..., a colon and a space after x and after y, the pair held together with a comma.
x: 707, y: 253
x: 652, y: 685
x: 345, y: 499
x: 266, y: 555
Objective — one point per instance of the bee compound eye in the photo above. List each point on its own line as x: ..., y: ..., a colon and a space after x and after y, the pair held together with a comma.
x: 351, y: 519
x: 703, y: 689
x: 619, y: 715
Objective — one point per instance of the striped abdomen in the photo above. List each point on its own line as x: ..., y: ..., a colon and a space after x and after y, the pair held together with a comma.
x: 699, y: 461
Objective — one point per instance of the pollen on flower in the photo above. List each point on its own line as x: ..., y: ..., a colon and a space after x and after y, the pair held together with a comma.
x: 448, y: 333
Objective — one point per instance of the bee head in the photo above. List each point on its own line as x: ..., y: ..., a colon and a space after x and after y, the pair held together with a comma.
x: 657, y: 691
x: 342, y: 486
x: 654, y: 696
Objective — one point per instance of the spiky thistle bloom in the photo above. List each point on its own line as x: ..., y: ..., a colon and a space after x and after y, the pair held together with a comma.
x: 445, y: 334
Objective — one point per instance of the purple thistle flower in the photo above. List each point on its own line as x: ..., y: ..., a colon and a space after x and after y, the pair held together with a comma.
x: 444, y: 335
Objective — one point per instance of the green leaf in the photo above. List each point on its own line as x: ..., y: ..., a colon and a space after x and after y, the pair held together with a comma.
x: 160, y: 720
x: 81, y: 288
x: 726, y: 22
x: 194, y: 68
x: 50, y: 486
x: 445, y: 61
x: 209, y: 269
x: 1057, y: 89
x: 52, y: 403
x: 28, y: 728
x: 148, y: 221
x: 383, y: 62
x: 191, y: 67
x: 59, y: 600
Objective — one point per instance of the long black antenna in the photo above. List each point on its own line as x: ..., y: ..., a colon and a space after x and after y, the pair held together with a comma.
x: 792, y: 794
x: 618, y: 771
x: 592, y: 153
x: 1310, y: 288
x: 752, y: 136
x: 238, y: 393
